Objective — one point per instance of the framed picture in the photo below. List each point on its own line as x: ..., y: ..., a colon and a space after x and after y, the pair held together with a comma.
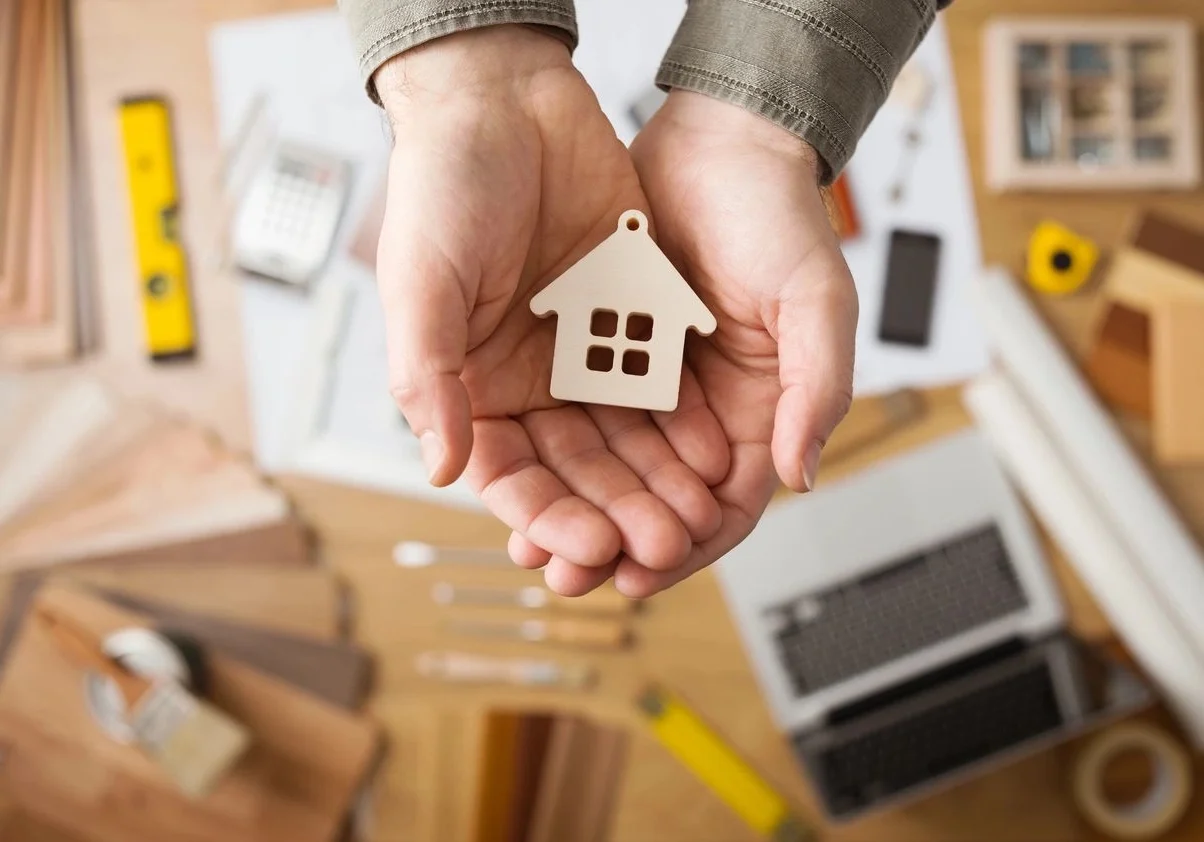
x: 1091, y: 104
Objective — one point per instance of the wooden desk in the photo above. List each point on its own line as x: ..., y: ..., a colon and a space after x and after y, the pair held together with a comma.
x: 686, y: 638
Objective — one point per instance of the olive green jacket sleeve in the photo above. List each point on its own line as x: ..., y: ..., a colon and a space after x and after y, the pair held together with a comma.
x: 819, y: 68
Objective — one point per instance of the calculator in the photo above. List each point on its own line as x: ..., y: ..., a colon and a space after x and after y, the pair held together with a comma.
x: 287, y: 222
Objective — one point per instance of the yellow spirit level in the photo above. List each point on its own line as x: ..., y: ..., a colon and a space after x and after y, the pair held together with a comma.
x: 162, y: 265
x: 705, y: 754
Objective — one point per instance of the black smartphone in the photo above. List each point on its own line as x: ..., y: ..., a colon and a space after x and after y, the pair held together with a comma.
x: 907, y: 300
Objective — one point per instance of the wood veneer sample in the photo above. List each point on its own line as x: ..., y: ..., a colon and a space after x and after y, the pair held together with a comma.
x: 335, y: 671
x: 1178, y: 361
x: 1168, y: 238
x: 1141, y: 279
x: 1118, y: 364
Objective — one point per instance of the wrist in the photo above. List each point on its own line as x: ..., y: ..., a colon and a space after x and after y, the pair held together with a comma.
x: 729, y: 124
x: 474, y: 63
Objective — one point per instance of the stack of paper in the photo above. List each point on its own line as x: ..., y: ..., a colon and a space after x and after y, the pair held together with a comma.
x: 87, y: 476
x: 39, y: 261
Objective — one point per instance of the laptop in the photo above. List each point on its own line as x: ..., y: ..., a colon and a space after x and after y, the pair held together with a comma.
x: 905, y: 627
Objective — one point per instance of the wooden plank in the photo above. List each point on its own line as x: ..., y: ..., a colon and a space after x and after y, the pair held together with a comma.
x: 286, y: 543
x: 307, y: 762
x: 37, y: 266
x: 333, y: 670
x: 9, y: 55
x: 1141, y: 280
x: 1178, y: 361
x: 1118, y: 364
x: 308, y: 603
x: 30, y: 70
x: 1169, y: 238
x: 534, y: 733
x: 131, y: 525
x: 561, y: 782
x: 496, y: 779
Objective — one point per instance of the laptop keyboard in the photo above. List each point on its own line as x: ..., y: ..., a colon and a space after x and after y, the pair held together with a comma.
x: 857, y: 772
x: 829, y: 636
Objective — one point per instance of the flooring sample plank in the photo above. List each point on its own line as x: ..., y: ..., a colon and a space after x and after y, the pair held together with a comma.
x: 1178, y: 361
x: 30, y: 70
x: 51, y: 434
x: 495, y: 801
x: 1118, y: 364
x: 287, y: 543
x: 563, y: 776
x: 37, y: 244
x: 307, y: 602
x: 307, y: 762
x: 1142, y: 280
x: 534, y: 734
x: 338, y: 672
x: 1170, y: 239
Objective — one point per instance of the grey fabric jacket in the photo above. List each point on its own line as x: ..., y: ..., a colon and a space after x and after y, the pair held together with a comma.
x: 818, y: 68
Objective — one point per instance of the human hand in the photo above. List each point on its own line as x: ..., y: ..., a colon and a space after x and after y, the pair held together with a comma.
x: 739, y: 211
x: 504, y: 172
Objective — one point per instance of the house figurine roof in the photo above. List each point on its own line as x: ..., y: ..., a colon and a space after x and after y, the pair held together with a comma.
x: 628, y: 265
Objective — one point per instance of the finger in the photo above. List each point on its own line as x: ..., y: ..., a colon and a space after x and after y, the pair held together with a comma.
x: 694, y: 433
x: 525, y: 554
x: 743, y: 497
x: 633, y: 437
x: 817, y: 329
x: 507, y: 475
x: 568, y: 579
x: 570, y: 444
x: 426, y: 326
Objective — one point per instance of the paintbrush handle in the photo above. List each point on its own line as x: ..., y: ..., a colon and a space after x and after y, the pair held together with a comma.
x: 85, y: 651
x: 606, y: 634
x: 604, y: 600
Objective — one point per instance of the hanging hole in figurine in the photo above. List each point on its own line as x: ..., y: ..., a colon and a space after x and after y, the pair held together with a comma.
x: 634, y: 220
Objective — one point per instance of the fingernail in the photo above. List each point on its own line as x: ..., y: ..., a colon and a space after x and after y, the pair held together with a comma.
x: 432, y: 452
x: 811, y: 464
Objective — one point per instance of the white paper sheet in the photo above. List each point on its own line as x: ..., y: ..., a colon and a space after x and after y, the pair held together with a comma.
x: 305, y: 65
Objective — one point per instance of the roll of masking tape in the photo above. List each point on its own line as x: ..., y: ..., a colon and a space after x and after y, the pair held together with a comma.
x: 1163, y: 804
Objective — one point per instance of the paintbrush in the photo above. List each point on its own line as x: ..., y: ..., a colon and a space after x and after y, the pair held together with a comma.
x: 193, y: 742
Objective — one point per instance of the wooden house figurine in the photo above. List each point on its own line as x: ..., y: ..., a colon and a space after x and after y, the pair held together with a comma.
x: 622, y: 314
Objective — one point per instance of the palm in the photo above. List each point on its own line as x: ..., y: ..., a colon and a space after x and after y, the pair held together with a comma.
x: 746, y: 224
x: 505, y: 207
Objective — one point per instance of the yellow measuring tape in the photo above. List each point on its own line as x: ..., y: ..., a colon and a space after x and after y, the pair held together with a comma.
x: 705, y: 754
x: 154, y: 197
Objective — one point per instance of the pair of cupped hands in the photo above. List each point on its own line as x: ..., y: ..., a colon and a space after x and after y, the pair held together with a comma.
x: 505, y: 172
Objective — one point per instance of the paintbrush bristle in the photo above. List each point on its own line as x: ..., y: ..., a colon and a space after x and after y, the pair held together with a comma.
x: 192, y: 741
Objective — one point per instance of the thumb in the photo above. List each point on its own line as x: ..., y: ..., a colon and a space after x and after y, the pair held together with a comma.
x: 817, y: 331
x: 426, y: 324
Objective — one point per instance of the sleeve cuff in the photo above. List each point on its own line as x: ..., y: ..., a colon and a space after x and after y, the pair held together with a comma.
x: 382, y: 30
x: 820, y: 69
